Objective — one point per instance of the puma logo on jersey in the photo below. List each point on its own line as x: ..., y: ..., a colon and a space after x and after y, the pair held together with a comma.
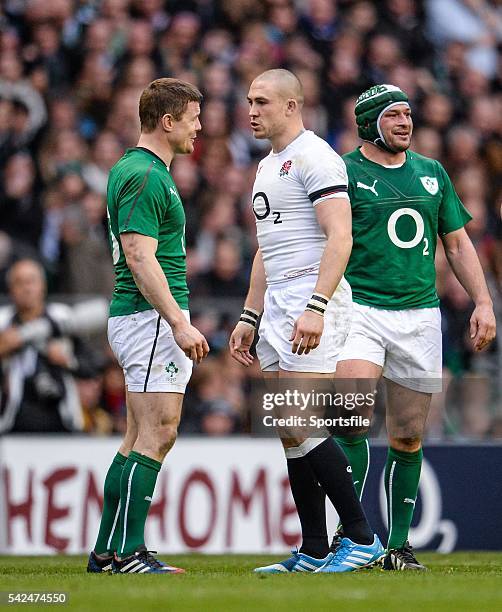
x: 407, y: 500
x: 372, y: 188
x: 174, y: 193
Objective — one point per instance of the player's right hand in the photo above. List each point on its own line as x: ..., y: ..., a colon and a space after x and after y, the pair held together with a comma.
x: 483, y: 326
x: 307, y: 332
x: 240, y: 343
x: 191, y: 342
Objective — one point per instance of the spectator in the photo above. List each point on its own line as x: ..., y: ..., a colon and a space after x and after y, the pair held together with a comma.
x: 96, y: 418
x: 84, y: 243
x: 384, y: 53
x: 225, y: 277
x: 207, y: 406
x: 38, y: 358
x: 477, y: 24
x: 114, y: 395
x: 105, y: 152
x: 20, y: 208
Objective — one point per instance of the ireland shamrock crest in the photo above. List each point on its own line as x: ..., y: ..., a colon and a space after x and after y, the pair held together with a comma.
x: 171, y: 369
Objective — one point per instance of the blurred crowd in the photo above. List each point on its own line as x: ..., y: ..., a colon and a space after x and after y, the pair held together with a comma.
x: 71, y: 72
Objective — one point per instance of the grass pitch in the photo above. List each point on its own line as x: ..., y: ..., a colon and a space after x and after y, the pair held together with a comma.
x: 460, y: 581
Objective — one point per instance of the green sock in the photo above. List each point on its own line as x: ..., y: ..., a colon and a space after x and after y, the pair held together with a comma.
x: 109, y: 527
x: 357, y: 451
x: 136, y: 490
x: 402, y: 475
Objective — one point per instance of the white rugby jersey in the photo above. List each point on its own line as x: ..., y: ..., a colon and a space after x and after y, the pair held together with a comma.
x: 288, y: 186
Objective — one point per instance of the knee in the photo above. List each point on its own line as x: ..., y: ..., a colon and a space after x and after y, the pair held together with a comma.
x: 166, y: 438
x: 406, y: 445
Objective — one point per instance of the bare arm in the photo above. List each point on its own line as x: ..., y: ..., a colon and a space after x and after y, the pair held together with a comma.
x: 464, y: 262
x: 140, y: 252
x: 257, y: 284
x: 335, y: 218
x: 242, y: 337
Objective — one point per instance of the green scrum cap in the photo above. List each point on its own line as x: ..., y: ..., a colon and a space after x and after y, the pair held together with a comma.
x: 371, y: 105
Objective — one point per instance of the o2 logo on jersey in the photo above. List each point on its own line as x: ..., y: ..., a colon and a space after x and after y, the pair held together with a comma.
x: 261, y: 208
x: 261, y: 205
x: 419, y: 230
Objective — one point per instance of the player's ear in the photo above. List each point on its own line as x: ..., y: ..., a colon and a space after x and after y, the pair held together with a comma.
x: 291, y: 106
x: 167, y: 122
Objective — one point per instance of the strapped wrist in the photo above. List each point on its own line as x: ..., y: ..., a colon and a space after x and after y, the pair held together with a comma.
x: 250, y: 317
x: 318, y: 304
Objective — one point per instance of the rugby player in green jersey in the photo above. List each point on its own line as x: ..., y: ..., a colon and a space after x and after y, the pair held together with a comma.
x: 401, y: 201
x: 149, y: 327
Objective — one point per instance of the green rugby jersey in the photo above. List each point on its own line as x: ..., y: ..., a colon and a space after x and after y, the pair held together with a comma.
x: 142, y: 198
x: 397, y: 214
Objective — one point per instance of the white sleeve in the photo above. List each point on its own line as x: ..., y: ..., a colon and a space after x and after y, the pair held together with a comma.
x: 324, y: 174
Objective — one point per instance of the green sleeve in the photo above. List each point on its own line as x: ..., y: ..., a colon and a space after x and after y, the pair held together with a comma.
x: 350, y: 182
x: 142, y: 204
x: 452, y: 213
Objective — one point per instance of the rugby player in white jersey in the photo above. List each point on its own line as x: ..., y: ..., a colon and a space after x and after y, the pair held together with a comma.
x: 303, y: 222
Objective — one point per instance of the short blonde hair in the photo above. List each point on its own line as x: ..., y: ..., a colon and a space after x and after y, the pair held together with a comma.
x: 165, y: 96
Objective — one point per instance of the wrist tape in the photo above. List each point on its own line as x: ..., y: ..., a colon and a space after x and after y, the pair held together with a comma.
x: 318, y: 304
x: 249, y: 317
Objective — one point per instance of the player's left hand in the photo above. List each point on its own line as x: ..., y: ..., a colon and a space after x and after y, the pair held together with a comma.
x: 482, y: 326
x: 307, y: 332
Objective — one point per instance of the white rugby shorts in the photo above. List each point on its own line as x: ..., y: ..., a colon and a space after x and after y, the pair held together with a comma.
x: 144, y: 346
x: 284, y: 303
x: 406, y: 343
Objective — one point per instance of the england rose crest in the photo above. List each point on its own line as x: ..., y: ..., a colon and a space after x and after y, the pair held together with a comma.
x: 286, y: 167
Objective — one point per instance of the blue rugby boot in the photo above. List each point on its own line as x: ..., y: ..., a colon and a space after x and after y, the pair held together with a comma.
x: 298, y: 562
x: 350, y: 556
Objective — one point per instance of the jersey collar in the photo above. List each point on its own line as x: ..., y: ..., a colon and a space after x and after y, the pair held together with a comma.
x: 152, y: 154
x: 295, y: 139
x: 394, y: 167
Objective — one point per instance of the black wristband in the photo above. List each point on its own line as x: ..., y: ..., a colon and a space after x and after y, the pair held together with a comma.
x: 249, y: 317
x: 318, y: 304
